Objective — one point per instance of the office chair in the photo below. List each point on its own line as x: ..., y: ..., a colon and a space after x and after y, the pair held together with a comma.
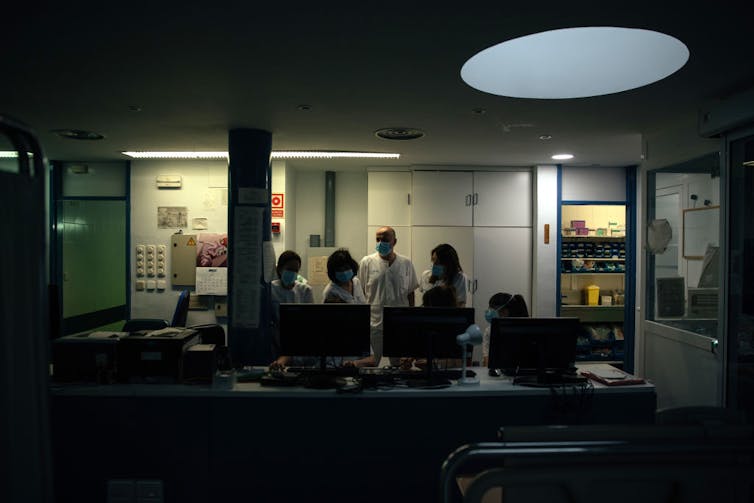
x: 179, y: 317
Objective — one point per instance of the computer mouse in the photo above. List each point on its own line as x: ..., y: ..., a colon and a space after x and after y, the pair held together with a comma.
x: 495, y: 373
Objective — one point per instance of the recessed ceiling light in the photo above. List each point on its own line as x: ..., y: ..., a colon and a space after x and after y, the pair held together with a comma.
x: 562, y: 157
x: 399, y: 133
x: 545, y: 137
x: 575, y: 63
x: 77, y: 134
x: 278, y: 154
x: 134, y: 108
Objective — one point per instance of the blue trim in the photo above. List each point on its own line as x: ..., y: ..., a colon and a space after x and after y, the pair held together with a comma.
x: 56, y: 243
x: 629, y: 325
x: 584, y: 203
x: 559, y: 266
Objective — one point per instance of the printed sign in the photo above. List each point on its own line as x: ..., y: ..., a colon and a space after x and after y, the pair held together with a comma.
x: 278, y: 213
x: 278, y: 201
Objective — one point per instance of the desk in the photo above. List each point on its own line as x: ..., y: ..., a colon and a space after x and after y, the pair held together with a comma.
x: 257, y: 443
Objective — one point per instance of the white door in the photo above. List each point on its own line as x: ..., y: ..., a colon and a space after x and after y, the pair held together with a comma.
x: 441, y: 198
x: 502, y: 263
x: 424, y: 239
x: 388, y: 198
x: 502, y: 198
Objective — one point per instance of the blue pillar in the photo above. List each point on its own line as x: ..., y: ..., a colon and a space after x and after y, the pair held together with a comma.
x: 249, y: 335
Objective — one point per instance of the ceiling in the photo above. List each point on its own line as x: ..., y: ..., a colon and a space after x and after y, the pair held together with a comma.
x: 197, y: 71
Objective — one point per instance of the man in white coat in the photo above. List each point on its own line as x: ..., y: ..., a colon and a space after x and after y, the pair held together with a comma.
x: 388, y: 279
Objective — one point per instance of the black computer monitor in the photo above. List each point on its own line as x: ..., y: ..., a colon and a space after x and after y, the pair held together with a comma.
x: 424, y: 332
x: 324, y: 330
x: 533, y: 346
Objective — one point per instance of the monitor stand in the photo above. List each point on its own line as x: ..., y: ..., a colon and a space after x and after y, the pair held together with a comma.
x: 323, y: 380
x: 430, y: 379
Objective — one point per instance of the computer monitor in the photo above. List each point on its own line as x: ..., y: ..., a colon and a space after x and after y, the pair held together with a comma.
x: 425, y: 332
x: 533, y: 346
x: 324, y: 330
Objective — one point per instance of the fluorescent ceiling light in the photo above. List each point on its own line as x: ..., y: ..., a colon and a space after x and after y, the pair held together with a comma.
x: 562, y: 157
x: 280, y: 154
x: 575, y: 63
x: 8, y: 154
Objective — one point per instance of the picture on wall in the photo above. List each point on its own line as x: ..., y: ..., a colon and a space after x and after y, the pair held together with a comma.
x: 172, y: 217
x: 212, y: 250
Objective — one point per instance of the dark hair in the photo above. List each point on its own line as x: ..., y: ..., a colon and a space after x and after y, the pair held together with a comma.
x: 447, y: 256
x: 286, y: 257
x: 515, y: 304
x: 338, y: 260
x: 440, y: 296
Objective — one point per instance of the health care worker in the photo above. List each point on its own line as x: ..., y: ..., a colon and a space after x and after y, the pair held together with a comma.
x: 389, y: 279
x: 446, y: 270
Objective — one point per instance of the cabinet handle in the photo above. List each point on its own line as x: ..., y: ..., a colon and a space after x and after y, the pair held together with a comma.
x: 468, y: 288
x: 475, y: 285
x: 476, y: 199
x: 408, y: 199
x: 468, y: 199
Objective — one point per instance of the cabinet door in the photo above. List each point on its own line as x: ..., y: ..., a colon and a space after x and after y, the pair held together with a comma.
x: 441, y: 198
x: 502, y: 198
x: 424, y: 239
x: 502, y: 263
x: 388, y: 197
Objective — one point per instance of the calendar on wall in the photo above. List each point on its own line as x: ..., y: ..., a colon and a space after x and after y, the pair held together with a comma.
x: 211, y: 281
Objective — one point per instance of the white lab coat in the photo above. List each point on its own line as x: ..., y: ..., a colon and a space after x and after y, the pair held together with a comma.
x: 385, y: 284
x: 334, y: 290
x: 459, y: 285
x: 301, y: 293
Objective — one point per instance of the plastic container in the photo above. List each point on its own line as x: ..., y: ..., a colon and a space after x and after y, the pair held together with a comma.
x: 592, y: 295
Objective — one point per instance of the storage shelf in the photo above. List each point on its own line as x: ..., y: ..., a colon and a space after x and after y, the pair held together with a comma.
x: 594, y: 314
x: 584, y: 273
x: 611, y: 239
x: 595, y: 258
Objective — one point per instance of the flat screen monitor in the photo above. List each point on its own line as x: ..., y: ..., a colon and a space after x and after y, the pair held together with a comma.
x: 424, y: 332
x: 324, y: 330
x: 533, y: 345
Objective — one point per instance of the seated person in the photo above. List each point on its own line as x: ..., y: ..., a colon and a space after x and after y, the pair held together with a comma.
x: 287, y: 289
x: 345, y: 288
x: 501, y: 305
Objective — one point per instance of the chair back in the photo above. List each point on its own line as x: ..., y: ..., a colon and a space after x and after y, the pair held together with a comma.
x: 181, y: 310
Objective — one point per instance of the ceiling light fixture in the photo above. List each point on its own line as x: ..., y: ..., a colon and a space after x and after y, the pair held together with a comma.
x: 78, y: 134
x: 399, y: 133
x: 545, y: 137
x: 562, y: 157
x: 276, y: 154
x: 8, y: 154
x: 575, y: 63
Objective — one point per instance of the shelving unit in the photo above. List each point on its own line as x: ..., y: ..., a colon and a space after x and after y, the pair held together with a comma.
x: 594, y: 260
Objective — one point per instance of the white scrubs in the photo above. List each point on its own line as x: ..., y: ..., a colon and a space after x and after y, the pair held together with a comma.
x: 334, y: 290
x: 385, y: 285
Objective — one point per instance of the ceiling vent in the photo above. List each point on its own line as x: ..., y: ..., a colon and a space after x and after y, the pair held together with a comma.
x: 399, y: 133
x: 78, y: 134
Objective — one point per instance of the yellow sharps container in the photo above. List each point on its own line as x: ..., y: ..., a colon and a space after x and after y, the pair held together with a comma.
x: 591, y: 295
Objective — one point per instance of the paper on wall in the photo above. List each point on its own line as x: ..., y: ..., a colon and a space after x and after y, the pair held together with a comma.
x: 247, y: 265
x: 212, y: 281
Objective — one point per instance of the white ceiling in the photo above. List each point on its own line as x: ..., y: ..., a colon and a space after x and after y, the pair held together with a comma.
x: 196, y: 72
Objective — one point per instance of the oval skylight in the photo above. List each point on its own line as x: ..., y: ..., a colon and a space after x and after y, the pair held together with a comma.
x: 575, y: 63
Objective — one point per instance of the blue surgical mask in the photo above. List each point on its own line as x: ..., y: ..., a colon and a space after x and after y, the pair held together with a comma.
x: 288, y: 277
x: 438, y: 270
x: 344, y: 276
x: 491, y: 314
x: 383, y: 248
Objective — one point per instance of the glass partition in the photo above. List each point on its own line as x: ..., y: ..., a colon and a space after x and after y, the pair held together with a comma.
x: 683, y: 242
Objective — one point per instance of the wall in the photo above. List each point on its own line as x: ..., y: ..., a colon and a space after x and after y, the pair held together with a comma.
x: 593, y: 184
x: 544, y: 288
x: 204, y: 193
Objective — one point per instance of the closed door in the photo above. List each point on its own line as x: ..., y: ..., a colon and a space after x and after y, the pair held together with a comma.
x: 502, y: 198
x: 502, y: 263
x: 442, y: 198
x: 388, y: 198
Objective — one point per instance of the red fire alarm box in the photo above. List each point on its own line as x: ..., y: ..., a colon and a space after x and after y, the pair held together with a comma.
x: 276, y: 227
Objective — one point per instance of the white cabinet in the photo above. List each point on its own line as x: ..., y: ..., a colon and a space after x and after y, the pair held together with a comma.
x: 480, y: 198
x: 442, y: 198
x: 502, y: 263
x: 502, y: 198
x: 388, y: 198
x: 424, y: 239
